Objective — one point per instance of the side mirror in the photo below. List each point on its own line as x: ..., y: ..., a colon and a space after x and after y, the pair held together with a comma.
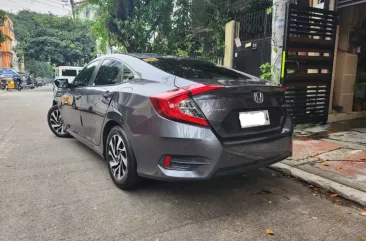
x: 62, y: 83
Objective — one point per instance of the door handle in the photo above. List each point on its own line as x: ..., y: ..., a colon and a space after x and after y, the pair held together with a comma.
x: 77, y: 97
x: 107, y: 95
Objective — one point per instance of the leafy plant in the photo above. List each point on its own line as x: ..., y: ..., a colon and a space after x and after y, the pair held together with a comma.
x: 269, y: 10
x: 51, y: 39
x: 163, y: 26
x: 357, y: 101
x: 3, y: 37
x: 356, y: 86
x: 2, y: 16
x: 266, y: 70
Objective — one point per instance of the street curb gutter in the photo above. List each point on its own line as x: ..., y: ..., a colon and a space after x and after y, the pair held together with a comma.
x: 335, y: 187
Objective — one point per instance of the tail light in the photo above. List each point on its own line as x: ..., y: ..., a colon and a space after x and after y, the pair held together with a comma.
x: 178, y: 105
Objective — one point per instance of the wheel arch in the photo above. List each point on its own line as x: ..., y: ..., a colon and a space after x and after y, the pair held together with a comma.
x: 112, y: 119
x: 107, y: 128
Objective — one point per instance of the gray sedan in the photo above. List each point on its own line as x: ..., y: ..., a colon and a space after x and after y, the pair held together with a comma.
x: 172, y: 118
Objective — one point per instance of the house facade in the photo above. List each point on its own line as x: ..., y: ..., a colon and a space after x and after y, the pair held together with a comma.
x: 6, y: 47
x: 323, y: 60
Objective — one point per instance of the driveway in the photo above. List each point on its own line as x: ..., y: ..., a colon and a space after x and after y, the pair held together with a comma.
x: 57, y: 189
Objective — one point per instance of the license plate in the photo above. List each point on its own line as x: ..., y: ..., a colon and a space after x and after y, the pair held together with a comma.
x: 254, y: 118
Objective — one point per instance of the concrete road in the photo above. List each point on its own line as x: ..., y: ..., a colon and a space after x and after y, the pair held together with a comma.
x: 57, y: 189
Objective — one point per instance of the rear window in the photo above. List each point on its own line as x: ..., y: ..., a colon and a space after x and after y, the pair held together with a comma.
x: 69, y: 72
x: 197, y: 70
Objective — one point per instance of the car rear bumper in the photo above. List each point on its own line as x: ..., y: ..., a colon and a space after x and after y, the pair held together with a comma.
x: 203, y: 155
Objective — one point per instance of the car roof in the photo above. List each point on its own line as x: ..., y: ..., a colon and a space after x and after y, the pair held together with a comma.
x: 143, y: 56
x: 146, y: 70
x: 70, y: 67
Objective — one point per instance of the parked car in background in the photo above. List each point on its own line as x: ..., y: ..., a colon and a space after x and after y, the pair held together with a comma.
x: 27, y: 82
x: 39, y: 82
x: 172, y: 118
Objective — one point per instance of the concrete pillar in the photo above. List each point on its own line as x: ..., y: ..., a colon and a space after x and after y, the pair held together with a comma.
x: 278, y: 26
x: 229, y: 44
x: 330, y: 109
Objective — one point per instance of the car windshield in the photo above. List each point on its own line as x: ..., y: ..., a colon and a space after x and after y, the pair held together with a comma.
x: 198, y: 70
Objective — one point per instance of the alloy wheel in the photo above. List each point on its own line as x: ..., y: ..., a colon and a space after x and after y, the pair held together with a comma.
x: 117, y: 157
x: 56, y: 123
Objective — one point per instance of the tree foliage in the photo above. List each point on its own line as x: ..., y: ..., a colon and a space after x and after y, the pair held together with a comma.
x: 183, y: 27
x: 54, y: 40
x: 3, y: 37
x: 39, y: 69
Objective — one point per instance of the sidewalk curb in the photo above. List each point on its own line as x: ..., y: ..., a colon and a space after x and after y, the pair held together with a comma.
x: 335, y: 187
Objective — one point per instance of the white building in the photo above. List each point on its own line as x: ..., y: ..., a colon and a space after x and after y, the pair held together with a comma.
x: 86, y: 11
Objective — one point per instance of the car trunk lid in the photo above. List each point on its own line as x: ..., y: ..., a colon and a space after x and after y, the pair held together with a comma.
x: 225, y: 107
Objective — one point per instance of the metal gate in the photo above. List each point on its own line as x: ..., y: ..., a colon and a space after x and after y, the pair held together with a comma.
x: 307, y: 62
x: 255, y: 31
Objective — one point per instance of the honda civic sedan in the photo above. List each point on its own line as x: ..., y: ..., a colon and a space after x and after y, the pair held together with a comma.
x: 172, y: 118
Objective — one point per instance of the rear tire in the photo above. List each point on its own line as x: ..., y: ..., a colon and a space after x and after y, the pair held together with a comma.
x: 121, y: 160
x: 55, y: 123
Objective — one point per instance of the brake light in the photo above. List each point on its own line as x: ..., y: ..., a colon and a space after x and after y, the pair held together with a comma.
x: 177, y: 104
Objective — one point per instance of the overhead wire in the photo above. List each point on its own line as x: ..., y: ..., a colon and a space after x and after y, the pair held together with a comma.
x: 16, y: 6
x: 54, y: 6
x: 57, y: 2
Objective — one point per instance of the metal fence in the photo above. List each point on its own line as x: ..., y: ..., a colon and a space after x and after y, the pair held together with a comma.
x: 255, y: 32
x: 255, y: 25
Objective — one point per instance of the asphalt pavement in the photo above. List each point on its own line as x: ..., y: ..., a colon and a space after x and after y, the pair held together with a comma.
x: 58, y: 189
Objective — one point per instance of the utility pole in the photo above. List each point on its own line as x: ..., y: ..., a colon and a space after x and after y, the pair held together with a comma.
x: 72, y: 5
x: 72, y: 8
x: 278, y: 23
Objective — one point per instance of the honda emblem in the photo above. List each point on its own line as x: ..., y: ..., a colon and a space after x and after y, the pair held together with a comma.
x: 258, y: 97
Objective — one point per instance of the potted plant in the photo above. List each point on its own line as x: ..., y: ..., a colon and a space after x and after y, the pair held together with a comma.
x: 357, y: 105
x: 364, y: 105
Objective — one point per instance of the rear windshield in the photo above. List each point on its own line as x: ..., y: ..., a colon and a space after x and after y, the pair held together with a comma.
x: 197, y: 70
x: 69, y: 72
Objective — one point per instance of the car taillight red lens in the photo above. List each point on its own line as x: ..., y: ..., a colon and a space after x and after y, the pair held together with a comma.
x: 178, y: 105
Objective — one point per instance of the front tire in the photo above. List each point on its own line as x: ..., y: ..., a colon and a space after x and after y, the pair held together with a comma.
x: 55, y: 123
x: 121, y: 160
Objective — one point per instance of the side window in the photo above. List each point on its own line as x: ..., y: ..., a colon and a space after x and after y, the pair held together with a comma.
x: 127, y: 74
x: 83, y: 78
x: 110, y: 72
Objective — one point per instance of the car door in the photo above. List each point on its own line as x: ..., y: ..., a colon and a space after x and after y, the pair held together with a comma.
x: 71, y: 100
x: 110, y: 78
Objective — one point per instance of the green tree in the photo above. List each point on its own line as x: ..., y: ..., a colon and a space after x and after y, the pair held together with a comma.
x: 54, y: 40
x: 182, y: 27
x: 39, y: 69
x: 134, y: 24
x: 3, y: 37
